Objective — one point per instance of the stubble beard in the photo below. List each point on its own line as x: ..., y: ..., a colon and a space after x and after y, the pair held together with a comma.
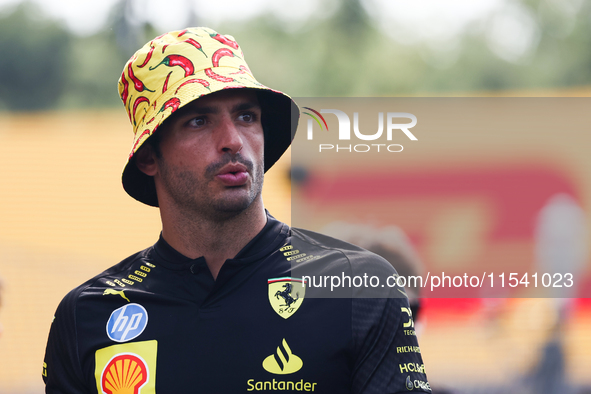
x: 191, y: 193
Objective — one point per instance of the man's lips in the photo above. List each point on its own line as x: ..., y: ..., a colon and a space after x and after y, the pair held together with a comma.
x: 233, y: 175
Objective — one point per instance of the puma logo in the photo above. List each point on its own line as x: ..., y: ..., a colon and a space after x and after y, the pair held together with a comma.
x: 116, y: 292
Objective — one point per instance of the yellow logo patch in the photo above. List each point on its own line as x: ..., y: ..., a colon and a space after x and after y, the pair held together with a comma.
x: 286, y: 295
x: 116, y: 292
x: 283, y: 362
x: 127, y: 368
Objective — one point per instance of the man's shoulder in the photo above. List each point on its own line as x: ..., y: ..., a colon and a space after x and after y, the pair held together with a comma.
x: 322, y: 245
x: 324, y: 241
x: 334, y: 268
x: 115, y: 277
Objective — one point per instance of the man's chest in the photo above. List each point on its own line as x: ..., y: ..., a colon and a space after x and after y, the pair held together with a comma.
x: 262, y: 335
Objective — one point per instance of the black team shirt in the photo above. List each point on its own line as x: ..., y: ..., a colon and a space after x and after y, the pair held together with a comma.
x: 159, y: 323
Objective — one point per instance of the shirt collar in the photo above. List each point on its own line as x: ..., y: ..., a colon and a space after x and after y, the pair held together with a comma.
x: 271, y: 237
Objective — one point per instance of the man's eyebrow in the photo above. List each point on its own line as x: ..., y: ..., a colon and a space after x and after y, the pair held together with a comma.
x: 194, y: 110
x: 245, y: 106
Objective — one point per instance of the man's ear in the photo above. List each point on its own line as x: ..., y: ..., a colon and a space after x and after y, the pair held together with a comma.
x: 145, y: 160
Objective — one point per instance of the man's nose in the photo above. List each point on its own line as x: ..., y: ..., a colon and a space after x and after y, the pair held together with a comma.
x: 229, y: 137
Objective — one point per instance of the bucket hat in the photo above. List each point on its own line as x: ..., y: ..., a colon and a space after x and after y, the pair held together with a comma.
x: 181, y: 66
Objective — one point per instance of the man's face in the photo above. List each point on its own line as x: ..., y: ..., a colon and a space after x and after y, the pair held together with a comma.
x: 212, y: 155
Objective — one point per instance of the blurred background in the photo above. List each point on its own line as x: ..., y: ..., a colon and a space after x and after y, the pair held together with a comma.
x: 64, y: 140
x: 491, y: 186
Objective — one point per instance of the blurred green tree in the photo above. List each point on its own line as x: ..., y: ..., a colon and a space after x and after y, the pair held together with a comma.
x: 33, y: 59
x: 338, y: 51
x: 97, y: 60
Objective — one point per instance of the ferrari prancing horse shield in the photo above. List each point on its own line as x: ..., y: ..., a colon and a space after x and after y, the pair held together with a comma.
x: 286, y: 295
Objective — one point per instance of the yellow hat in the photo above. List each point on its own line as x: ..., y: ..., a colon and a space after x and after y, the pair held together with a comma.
x: 178, y: 67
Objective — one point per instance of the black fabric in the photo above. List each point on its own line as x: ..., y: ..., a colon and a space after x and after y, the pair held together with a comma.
x: 221, y: 336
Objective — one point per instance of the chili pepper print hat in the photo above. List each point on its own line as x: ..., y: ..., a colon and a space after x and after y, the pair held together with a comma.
x: 178, y: 67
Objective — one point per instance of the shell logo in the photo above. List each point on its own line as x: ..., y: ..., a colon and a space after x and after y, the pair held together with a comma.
x: 124, y: 374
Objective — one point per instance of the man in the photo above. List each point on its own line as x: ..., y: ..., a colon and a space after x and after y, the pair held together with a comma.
x: 215, y: 305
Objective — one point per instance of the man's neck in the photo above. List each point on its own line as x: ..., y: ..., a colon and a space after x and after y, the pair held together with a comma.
x: 217, y: 240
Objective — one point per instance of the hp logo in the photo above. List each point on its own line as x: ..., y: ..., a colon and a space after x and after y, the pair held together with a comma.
x: 127, y: 322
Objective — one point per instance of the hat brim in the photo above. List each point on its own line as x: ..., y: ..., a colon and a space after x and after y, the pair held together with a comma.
x: 280, y: 116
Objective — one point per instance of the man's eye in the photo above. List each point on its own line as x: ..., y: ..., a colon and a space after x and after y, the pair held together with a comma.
x: 248, y: 117
x: 197, y: 122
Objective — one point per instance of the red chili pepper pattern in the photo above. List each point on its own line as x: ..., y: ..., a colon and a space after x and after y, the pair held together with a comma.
x: 128, y: 109
x: 195, y: 44
x: 155, y: 106
x: 217, y: 77
x: 165, y: 86
x: 147, y: 58
x: 137, y: 102
x: 224, y: 40
x: 172, y: 103
x: 220, y: 53
x: 243, y: 69
x: 201, y: 81
x: 177, y: 60
x: 125, y: 87
x: 147, y: 131
x: 139, y: 85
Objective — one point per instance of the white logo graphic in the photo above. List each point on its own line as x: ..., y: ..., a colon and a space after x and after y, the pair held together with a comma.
x: 345, y: 125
